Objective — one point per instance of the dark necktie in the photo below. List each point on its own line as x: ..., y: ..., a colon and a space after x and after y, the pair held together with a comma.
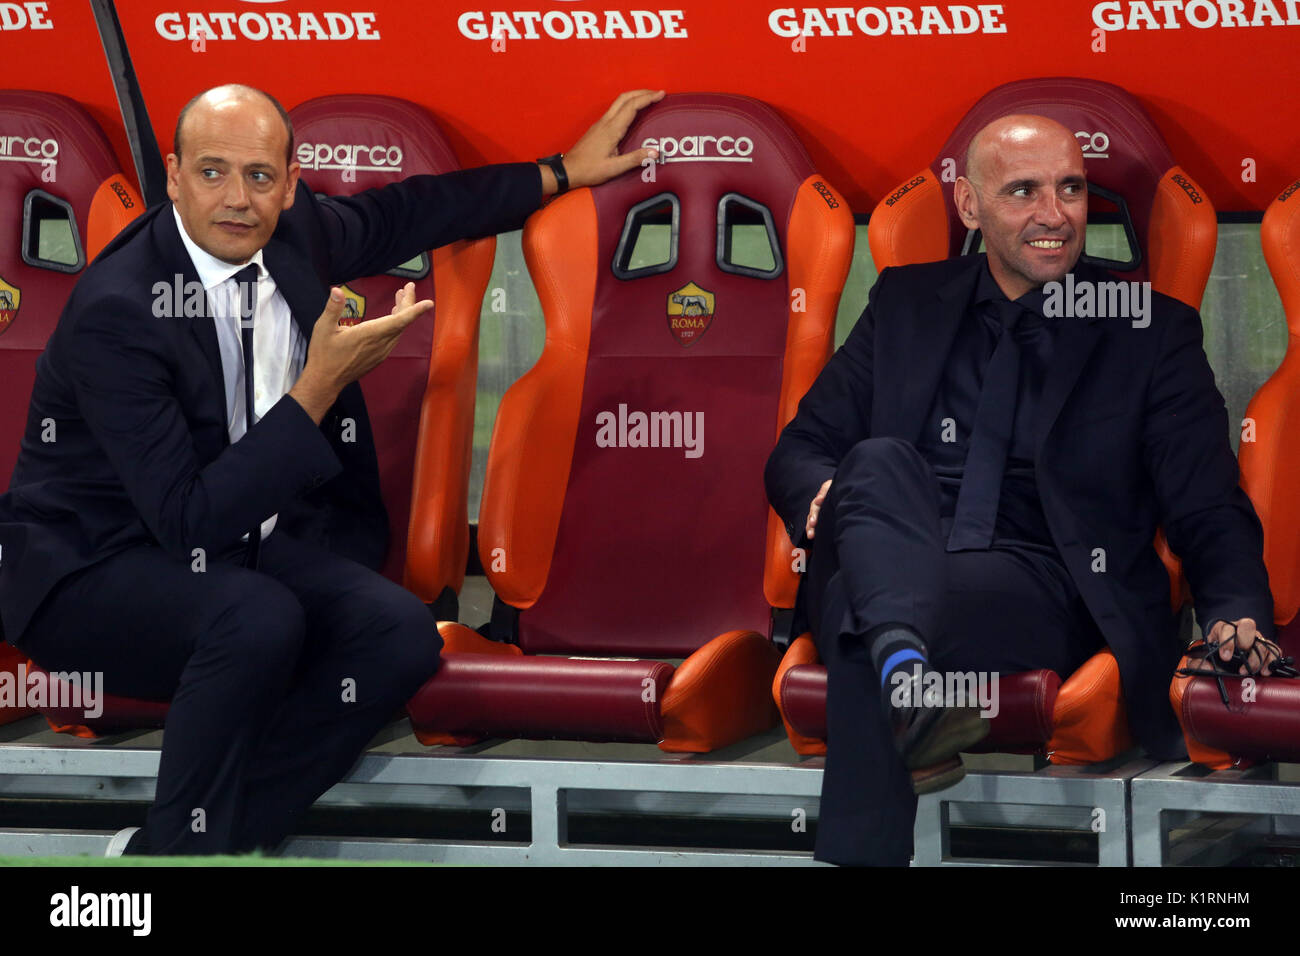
x: 246, y: 293
x: 986, y: 458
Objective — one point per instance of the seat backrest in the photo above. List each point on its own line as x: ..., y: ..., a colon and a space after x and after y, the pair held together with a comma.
x: 1270, y: 461
x: 64, y: 195
x: 421, y: 398
x: 687, y: 308
x: 1132, y: 179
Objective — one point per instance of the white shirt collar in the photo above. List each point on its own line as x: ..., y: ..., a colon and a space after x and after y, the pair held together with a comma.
x: 213, y: 271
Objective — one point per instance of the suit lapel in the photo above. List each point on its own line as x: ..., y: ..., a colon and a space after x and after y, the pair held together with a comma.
x: 293, y: 276
x: 297, y: 282
x: 1075, y: 341
x: 928, y: 339
x: 201, y: 327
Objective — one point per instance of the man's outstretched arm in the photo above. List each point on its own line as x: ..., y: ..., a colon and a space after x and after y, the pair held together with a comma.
x: 1208, y: 518
x: 378, y: 229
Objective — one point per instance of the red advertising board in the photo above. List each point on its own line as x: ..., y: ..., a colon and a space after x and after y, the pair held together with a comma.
x: 872, y: 90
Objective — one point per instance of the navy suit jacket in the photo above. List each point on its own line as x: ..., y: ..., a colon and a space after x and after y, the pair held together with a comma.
x: 1131, y: 435
x: 135, y: 403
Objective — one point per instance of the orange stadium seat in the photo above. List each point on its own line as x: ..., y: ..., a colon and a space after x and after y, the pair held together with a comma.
x: 624, y: 519
x: 1267, y: 727
x: 347, y: 143
x: 64, y: 187
x: 353, y: 142
x: 1171, y: 231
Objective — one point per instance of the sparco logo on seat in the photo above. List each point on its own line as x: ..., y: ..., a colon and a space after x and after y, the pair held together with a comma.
x: 903, y: 190
x: 1094, y: 145
x: 701, y: 148
x: 122, y: 195
x: 1185, y: 184
x: 374, y: 159
x: 28, y: 149
x: 826, y: 194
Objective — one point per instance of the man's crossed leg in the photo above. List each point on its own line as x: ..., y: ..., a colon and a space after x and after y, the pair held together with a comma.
x: 879, y: 566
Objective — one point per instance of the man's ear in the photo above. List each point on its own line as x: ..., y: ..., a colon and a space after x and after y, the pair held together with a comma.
x: 173, y: 176
x: 292, y: 182
x: 963, y: 197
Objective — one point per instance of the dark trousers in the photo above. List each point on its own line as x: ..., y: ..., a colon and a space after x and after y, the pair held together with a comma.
x: 878, y: 558
x: 278, y: 677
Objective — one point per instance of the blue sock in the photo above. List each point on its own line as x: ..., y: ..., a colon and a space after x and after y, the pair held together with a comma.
x: 896, y: 647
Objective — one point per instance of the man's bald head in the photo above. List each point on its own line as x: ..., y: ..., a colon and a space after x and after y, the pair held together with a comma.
x: 233, y: 95
x: 1008, y: 134
x: 1026, y: 191
x: 237, y: 172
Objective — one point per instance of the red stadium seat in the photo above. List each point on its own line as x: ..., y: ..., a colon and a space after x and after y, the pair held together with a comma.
x: 423, y: 459
x: 1171, y: 231
x: 354, y: 142
x: 64, y: 188
x: 1267, y: 728
x: 699, y: 296
x: 13, y: 668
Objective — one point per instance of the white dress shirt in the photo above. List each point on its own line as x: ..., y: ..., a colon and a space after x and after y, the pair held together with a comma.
x: 279, y: 347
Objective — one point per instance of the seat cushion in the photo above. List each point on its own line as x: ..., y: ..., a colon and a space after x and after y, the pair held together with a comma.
x: 506, y: 695
x: 1260, y: 722
x: 1024, y: 720
x: 71, y: 711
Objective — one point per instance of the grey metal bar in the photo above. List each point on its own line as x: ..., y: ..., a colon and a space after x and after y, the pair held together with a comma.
x: 549, y: 788
x: 451, y: 769
x: 1057, y: 797
x: 1187, y: 787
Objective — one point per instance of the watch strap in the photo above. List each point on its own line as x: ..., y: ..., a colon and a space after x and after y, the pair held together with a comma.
x: 556, y: 162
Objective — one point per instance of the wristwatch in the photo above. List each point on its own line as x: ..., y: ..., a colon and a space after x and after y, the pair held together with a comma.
x: 556, y: 162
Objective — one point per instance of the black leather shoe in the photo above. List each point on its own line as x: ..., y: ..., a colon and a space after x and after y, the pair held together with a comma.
x: 929, y: 739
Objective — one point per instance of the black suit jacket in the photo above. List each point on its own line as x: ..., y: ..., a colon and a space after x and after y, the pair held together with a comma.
x: 1131, y: 434
x: 135, y: 403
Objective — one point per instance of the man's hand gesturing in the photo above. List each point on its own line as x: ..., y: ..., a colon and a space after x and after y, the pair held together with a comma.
x: 339, y: 355
x: 595, y: 157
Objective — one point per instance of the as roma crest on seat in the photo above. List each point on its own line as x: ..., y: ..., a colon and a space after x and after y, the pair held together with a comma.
x: 10, y: 296
x: 690, y: 313
x: 354, y: 307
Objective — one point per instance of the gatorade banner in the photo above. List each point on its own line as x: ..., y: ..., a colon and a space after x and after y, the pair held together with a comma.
x: 872, y: 90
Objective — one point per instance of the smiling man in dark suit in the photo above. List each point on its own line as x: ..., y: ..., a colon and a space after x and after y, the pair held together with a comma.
x: 960, y: 465
x: 211, y: 537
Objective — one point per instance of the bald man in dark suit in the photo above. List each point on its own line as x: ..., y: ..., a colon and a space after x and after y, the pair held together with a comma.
x: 207, y: 528
x: 959, y: 466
